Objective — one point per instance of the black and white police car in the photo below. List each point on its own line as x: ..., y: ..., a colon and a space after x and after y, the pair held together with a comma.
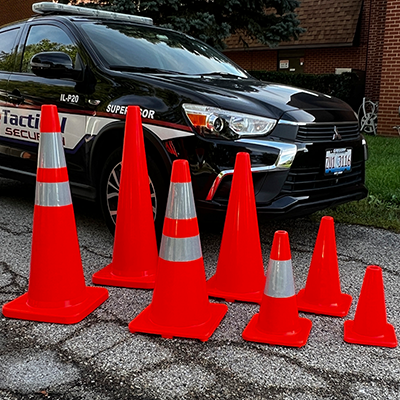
x: 305, y: 147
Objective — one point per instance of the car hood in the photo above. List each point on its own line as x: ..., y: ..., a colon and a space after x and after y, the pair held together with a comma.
x: 267, y: 99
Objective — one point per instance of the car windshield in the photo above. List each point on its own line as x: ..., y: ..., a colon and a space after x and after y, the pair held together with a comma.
x: 143, y: 49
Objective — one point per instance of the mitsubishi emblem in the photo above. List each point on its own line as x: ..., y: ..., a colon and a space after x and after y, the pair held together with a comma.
x: 336, y: 134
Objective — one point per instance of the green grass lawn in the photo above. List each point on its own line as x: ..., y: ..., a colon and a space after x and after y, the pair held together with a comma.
x: 382, y: 206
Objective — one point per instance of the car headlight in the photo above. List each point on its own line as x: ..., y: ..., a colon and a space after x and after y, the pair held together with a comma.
x: 227, y: 124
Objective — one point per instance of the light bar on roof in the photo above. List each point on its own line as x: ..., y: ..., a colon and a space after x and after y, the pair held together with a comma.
x: 46, y: 7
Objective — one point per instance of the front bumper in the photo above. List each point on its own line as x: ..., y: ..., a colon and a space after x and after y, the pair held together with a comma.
x: 296, y: 183
x: 290, y: 206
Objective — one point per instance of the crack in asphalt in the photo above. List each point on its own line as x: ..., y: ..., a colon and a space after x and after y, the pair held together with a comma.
x: 92, y: 377
x: 21, y: 287
x: 96, y: 253
x: 10, y: 231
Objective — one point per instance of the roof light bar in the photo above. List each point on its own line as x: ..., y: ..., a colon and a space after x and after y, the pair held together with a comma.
x: 46, y: 7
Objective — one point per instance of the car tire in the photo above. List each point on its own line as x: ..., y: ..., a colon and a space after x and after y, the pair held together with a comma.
x: 109, y: 189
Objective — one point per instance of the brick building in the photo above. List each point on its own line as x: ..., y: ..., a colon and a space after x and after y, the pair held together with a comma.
x: 13, y: 10
x: 342, y: 35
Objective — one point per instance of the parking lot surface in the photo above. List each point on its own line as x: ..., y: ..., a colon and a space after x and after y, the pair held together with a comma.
x: 99, y: 358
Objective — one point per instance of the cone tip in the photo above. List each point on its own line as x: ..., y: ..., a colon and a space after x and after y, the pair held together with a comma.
x: 280, y: 247
x: 133, y: 111
x: 327, y: 218
x: 242, y: 163
x: 180, y: 172
x: 242, y: 155
x: 375, y: 270
x: 49, y: 121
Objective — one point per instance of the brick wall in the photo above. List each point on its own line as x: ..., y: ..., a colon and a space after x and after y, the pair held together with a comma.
x: 389, y: 96
x: 374, y: 19
x: 324, y: 61
x: 317, y: 61
x: 14, y: 10
x: 253, y: 60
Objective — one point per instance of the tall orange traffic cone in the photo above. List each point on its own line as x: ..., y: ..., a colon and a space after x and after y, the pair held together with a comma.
x: 240, y: 269
x: 180, y: 305
x: 278, y: 321
x: 322, y: 293
x: 57, y: 291
x: 370, y: 326
x: 135, y: 253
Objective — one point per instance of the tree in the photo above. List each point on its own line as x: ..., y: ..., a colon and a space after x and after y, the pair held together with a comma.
x: 269, y: 21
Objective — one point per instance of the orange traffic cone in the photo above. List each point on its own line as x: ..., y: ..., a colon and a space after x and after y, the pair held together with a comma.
x: 370, y: 326
x: 240, y: 269
x: 57, y: 290
x: 180, y: 305
x: 135, y: 253
x: 278, y: 321
x: 322, y: 293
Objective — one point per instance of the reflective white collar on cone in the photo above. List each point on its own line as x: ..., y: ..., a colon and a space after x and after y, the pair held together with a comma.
x: 180, y: 249
x: 176, y: 208
x: 53, y: 194
x: 279, y: 283
x: 51, y: 152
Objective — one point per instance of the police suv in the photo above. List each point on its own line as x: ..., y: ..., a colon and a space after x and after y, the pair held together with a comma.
x: 305, y: 147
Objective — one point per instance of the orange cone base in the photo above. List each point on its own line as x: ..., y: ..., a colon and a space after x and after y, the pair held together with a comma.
x: 19, y: 308
x: 250, y: 297
x: 143, y: 323
x: 387, y: 339
x: 106, y: 277
x: 298, y: 339
x: 339, y: 309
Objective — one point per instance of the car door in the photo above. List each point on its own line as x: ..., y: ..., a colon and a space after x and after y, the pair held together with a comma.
x: 28, y: 92
x: 8, y: 44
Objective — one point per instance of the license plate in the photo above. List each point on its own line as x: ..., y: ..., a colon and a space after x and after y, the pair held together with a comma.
x: 337, y: 161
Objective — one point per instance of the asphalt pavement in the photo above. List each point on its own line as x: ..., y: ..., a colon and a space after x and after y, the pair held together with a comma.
x: 99, y: 358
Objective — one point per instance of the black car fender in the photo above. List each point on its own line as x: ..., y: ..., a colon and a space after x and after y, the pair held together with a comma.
x: 111, y: 137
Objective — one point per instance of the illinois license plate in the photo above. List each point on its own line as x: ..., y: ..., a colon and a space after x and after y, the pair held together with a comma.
x: 337, y: 161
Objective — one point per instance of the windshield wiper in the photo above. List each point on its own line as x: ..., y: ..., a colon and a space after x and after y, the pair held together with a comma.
x: 150, y: 70
x: 221, y: 74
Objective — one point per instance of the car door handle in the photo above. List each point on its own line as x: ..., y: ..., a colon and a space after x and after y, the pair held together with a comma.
x: 15, y: 97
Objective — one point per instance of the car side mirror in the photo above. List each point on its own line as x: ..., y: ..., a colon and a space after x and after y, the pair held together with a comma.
x: 53, y: 64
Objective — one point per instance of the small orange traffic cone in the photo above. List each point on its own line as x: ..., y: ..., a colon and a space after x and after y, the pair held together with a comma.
x: 135, y: 253
x: 278, y: 321
x: 322, y: 293
x: 57, y: 291
x: 180, y: 305
x: 370, y: 326
x: 240, y: 269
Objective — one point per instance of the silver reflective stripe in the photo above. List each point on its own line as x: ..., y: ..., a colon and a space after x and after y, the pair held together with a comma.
x: 180, y: 203
x: 279, y: 281
x: 51, y: 151
x: 180, y: 249
x: 53, y: 194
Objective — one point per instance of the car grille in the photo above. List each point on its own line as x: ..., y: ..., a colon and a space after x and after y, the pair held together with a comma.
x: 322, y: 132
x: 305, y: 181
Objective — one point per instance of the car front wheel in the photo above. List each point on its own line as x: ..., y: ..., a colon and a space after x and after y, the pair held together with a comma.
x: 109, y: 191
